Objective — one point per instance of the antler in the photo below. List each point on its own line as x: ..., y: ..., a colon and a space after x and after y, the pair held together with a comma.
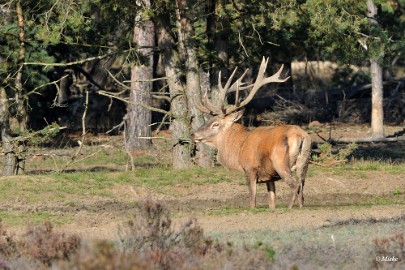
x: 238, y: 85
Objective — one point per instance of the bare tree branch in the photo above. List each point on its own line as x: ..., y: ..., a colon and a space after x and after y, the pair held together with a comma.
x: 104, y: 93
x: 83, y: 138
x: 70, y: 63
x: 33, y: 91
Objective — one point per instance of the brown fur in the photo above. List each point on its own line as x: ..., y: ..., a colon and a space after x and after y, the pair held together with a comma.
x: 264, y: 154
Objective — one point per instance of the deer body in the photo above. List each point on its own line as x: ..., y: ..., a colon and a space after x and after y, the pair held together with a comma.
x: 264, y: 154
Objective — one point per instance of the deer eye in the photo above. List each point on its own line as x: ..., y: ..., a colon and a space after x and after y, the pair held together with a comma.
x: 215, y: 125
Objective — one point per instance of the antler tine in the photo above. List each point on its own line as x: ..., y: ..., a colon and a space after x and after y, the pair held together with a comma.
x: 276, y: 77
x: 261, y: 80
x: 208, y: 107
x: 200, y: 106
x: 223, y: 90
x: 236, y: 86
x: 211, y: 107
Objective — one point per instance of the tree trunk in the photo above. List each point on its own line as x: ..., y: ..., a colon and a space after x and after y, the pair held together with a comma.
x: 218, y: 32
x: 138, y: 118
x: 193, y: 83
x: 10, y: 156
x: 377, y: 109
x: 180, y: 126
x: 19, y: 94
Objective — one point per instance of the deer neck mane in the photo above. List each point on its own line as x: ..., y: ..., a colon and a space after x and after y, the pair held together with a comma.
x: 230, y: 146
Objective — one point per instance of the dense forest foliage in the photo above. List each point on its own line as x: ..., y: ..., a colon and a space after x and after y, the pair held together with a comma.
x: 105, y: 66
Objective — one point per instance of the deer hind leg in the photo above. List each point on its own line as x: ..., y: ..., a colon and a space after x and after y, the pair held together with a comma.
x: 271, y: 189
x: 251, y: 179
x: 302, y: 165
x: 284, y: 172
x: 301, y: 193
x: 294, y: 189
x: 300, y: 173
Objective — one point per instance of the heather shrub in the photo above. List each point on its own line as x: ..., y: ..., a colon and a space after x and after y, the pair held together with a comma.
x: 43, y: 244
x: 147, y: 241
x: 7, y: 244
x: 149, y: 234
x: 389, y: 251
x: 104, y: 255
x: 8, y: 247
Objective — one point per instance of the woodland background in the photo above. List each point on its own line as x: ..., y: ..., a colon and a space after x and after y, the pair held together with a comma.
x: 97, y: 107
x: 136, y: 67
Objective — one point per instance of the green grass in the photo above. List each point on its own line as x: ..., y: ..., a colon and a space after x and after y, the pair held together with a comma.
x: 226, y: 210
x: 96, y: 177
x: 33, y: 188
x: 17, y: 218
x: 56, y: 186
x: 359, y: 168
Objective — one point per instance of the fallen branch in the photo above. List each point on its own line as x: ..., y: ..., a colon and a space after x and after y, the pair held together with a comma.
x: 366, y: 140
x: 327, y: 163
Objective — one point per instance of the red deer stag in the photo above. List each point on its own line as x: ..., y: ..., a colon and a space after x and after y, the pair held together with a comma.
x: 264, y: 154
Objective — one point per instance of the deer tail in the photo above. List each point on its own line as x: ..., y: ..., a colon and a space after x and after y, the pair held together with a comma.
x: 303, y: 157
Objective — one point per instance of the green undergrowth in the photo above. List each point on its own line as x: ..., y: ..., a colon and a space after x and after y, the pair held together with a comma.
x: 21, y: 218
x: 232, y: 210
x: 96, y: 177
x: 360, y: 168
x: 96, y: 183
x: 228, y: 210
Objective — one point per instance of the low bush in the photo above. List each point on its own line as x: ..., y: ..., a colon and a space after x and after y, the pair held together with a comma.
x: 147, y: 241
x: 389, y: 250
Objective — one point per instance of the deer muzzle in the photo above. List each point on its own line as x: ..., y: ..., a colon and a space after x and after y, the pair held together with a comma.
x: 196, y: 137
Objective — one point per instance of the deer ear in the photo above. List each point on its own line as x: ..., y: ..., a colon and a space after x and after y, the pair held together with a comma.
x: 235, y: 116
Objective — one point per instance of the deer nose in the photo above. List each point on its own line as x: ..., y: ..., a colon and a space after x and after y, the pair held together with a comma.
x: 194, y: 137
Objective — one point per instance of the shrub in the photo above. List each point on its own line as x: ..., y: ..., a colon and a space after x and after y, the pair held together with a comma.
x: 329, y: 157
x: 147, y: 241
x: 8, y: 247
x: 43, y: 244
x: 104, y: 255
x: 7, y: 244
x: 389, y: 250
x: 150, y: 235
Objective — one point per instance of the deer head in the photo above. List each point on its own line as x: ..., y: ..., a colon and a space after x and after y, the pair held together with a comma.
x: 225, y: 115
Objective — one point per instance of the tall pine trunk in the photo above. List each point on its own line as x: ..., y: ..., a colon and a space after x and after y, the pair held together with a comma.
x: 20, y: 101
x: 138, y: 119
x: 188, y: 55
x: 10, y: 155
x: 218, y: 33
x: 180, y: 125
x: 377, y: 97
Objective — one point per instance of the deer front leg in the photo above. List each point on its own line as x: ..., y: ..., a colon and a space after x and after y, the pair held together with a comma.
x: 251, y: 180
x: 271, y: 189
